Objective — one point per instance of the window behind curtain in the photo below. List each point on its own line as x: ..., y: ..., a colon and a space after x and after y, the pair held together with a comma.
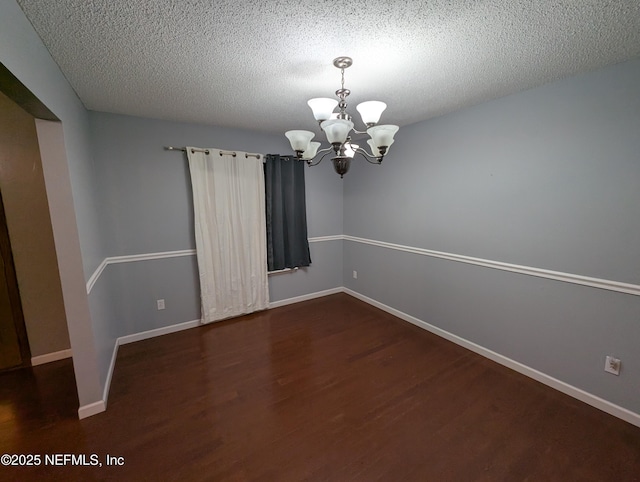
x: 287, y: 242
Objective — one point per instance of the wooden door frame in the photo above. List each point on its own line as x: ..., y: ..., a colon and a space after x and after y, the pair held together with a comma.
x: 14, y: 291
x: 15, y: 90
x: 11, y: 86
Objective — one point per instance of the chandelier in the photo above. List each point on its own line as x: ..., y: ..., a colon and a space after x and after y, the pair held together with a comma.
x: 338, y: 127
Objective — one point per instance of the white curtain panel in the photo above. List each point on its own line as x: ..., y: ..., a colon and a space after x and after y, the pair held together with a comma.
x: 230, y: 231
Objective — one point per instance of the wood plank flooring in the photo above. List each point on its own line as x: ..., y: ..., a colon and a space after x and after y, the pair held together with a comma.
x: 326, y: 390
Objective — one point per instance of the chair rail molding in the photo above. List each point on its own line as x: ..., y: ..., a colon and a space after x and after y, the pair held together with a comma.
x: 93, y: 279
x: 600, y: 283
x: 611, y: 285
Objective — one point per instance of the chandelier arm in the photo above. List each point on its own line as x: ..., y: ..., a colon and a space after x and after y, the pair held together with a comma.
x: 310, y: 162
x: 369, y: 157
x: 359, y: 132
x: 378, y: 160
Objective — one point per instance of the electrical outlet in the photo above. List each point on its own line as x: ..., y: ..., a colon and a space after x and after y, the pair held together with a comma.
x: 612, y: 365
x: 160, y: 304
x: 355, y: 274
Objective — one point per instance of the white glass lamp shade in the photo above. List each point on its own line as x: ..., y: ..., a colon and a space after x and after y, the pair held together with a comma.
x: 375, y: 151
x: 382, y: 136
x: 322, y: 107
x: 337, y: 130
x: 371, y: 111
x: 311, y: 151
x: 299, y: 140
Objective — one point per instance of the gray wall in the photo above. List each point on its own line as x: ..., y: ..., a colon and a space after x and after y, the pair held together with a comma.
x: 546, y: 178
x: 69, y: 181
x: 146, y: 194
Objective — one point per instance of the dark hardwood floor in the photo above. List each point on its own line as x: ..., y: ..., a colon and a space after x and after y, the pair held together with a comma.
x: 331, y: 389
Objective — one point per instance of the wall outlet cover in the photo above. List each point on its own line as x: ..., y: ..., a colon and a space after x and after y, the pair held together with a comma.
x: 612, y: 365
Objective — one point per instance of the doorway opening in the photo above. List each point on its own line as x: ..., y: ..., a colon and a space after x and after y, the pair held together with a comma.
x: 33, y: 322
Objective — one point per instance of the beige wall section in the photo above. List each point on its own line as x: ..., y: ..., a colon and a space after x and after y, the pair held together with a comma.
x: 29, y: 223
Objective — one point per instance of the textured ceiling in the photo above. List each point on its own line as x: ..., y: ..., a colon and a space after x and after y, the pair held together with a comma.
x: 254, y: 63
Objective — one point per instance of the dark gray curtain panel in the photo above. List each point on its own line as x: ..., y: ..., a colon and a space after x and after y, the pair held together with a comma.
x: 287, y: 242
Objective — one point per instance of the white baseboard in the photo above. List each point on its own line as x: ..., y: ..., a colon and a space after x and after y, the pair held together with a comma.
x: 310, y: 296
x: 91, y: 409
x: 588, y: 398
x: 112, y: 367
x: 123, y: 340
x: 50, y: 357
